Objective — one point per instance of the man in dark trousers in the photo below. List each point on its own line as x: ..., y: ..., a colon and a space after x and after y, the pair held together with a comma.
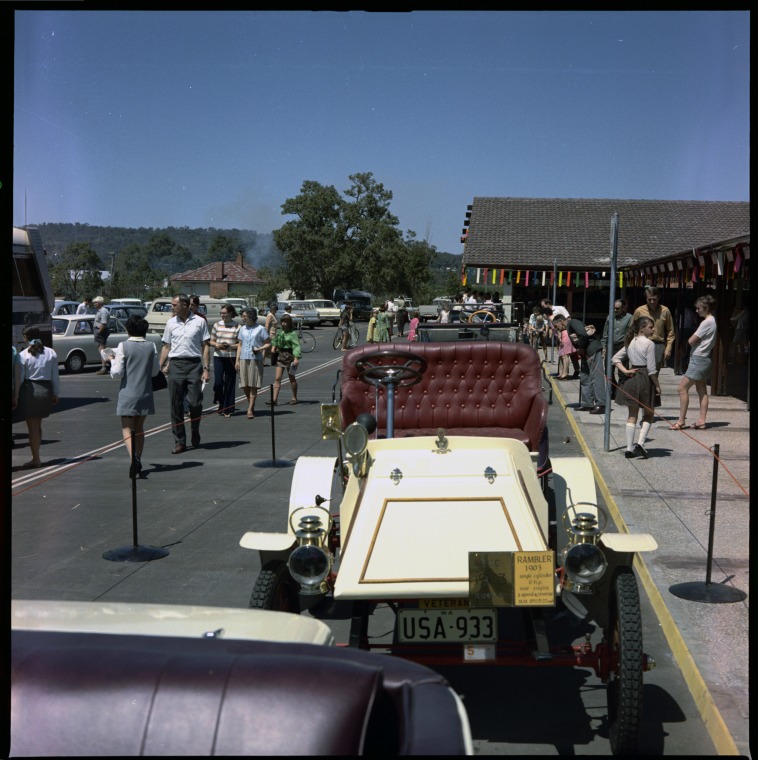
x: 621, y: 321
x: 186, y: 346
x: 591, y: 375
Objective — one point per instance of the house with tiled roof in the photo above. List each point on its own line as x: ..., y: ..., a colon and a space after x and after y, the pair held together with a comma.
x: 221, y: 279
x: 561, y: 248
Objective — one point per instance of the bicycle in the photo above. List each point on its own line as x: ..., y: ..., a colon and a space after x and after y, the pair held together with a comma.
x: 307, y: 341
x: 352, y: 341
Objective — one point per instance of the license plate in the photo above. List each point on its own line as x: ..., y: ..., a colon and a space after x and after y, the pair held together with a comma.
x: 447, y: 626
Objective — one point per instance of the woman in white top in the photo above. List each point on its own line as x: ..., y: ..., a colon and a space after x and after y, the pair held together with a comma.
x: 641, y: 384
x: 699, y: 368
x: 40, y: 387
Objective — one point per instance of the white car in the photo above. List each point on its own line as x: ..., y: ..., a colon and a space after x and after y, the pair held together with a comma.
x: 74, y: 340
x: 328, y: 311
x: 301, y: 310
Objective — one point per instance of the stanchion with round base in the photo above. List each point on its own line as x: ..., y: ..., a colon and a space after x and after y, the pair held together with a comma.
x: 135, y: 552
x: 717, y: 593
x: 713, y: 593
x: 273, y: 462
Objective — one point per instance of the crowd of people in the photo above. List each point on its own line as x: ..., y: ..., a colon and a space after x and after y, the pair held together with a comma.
x: 642, y: 343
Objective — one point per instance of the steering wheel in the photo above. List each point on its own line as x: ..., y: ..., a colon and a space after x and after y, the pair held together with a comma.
x: 482, y: 315
x: 399, y: 375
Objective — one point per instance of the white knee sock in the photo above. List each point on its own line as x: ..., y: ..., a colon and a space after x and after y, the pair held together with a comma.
x: 644, y: 430
x: 630, y: 427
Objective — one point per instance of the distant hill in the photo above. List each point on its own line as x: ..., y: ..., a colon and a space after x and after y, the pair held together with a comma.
x: 259, y: 247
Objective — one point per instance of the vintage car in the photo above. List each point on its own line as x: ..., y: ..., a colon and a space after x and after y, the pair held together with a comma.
x: 74, y: 340
x: 123, y: 679
x: 443, y: 502
x: 304, y: 311
x: 64, y: 307
x: 124, y: 311
x: 328, y: 311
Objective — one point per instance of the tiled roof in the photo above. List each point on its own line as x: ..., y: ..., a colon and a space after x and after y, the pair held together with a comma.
x: 535, y: 232
x: 219, y: 271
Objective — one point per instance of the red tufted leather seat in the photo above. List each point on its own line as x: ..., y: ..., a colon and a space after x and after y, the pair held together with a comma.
x: 488, y: 388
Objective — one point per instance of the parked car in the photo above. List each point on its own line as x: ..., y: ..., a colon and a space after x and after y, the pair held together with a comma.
x: 238, y: 303
x: 328, y: 311
x: 124, y: 311
x: 304, y: 310
x: 125, y: 302
x: 160, y: 312
x: 64, y: 307
x: 361, y: 300
x: 74, y: 340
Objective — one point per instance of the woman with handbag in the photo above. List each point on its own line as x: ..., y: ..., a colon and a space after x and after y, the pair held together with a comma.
x: 40, y: 388
x: 288, y: 353
x: 136, y: 363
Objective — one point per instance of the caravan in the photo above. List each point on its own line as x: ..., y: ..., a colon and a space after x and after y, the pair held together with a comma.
x: 33, y: 299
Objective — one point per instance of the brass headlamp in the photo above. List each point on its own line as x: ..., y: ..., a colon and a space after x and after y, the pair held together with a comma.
x: 311, y: 561
x: 583, y: 561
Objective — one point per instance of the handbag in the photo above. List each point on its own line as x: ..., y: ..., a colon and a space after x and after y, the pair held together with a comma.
x: 159, y: 382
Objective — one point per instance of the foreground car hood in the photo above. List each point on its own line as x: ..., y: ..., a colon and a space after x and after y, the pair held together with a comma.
x: 411, y: 523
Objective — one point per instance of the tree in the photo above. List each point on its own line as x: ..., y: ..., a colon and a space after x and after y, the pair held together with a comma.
x: 313, y: 245
x: 337, y: 242
x: 413, y: 270
x: 167, y: 255
x: 133, y: 273
x: 222, y: 248
x: 275, y: 281
x: 76, y: 272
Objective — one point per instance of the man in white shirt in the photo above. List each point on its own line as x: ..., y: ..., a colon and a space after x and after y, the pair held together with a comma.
x: 392, y: 314
x: 557, y: 310
x: 186, y: 344
x: 85, y: 307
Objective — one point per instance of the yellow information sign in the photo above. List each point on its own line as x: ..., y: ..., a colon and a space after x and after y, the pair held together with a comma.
x: 512, y: 579
x: 534, y: 579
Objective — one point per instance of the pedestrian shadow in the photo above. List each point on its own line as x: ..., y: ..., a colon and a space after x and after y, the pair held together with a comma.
x: 214, y: 445
x: 652, y: 453
x: 51, y: 463
x: 157, y: 468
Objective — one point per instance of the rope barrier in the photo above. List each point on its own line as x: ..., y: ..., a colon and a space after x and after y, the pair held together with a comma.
x: 678, y: 430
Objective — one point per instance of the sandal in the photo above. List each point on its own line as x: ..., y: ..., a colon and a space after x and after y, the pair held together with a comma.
x: 680, y: 426
x: 293, y: 402
x: 270, y: 403
x: 697, y: 426
x: 250, y: 414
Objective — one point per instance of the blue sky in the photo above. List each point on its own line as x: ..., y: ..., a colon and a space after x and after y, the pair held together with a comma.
x: 214, y: 119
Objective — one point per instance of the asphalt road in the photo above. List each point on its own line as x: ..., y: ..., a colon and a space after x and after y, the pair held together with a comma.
x: 197, y: 506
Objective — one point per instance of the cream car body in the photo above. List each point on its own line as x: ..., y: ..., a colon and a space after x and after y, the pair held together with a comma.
x: 74, y: 340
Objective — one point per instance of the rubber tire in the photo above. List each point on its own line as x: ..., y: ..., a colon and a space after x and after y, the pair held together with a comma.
x: 75, y: 362
x: 275, y: 589
x: 307, y: 343
x: 337, y: 342
x: 625, y: 687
